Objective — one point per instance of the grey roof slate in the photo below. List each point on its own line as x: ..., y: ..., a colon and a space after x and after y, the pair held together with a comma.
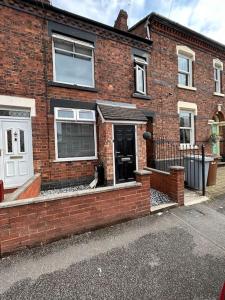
x: 122, y: 113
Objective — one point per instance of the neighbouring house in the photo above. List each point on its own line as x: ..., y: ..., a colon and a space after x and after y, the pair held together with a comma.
x: 186, y: 84
x: 75, y: 93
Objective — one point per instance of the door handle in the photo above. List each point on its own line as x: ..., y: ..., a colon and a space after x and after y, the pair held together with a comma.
x: 0, y: 152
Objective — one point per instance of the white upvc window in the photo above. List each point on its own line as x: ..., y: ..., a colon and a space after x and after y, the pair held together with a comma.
x: 218, y: 68
x: 185, y: 66
x: 184, y: 71
x: 75, y: 134
x: 187, y: 128
x: 140, y: 75
x: 73, y: 61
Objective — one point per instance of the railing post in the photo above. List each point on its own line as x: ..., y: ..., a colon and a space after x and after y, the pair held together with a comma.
x: 203, y: 170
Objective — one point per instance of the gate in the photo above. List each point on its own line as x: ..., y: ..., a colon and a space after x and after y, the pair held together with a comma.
x: 168, y: 153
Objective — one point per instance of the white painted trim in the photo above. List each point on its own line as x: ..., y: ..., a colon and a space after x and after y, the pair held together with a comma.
x: 54, y: 61
x: 12, y: 101
x: 182, y: 105
x: 218, y: 94
x: 57, y: 159
x: 184, y: 50
x: 113, y: 151
x: 30, y: 147
x: 217, y: 64
x: 1, y: 154
x: 126, y: 122
x: 100, y: 113
x: 136, y: 147
x: 72, y: 40
x: 116, y: 104
x: 185, y: 87
x: 60, y: 160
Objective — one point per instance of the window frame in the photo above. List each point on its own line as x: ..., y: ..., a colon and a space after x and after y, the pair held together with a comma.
x: 189, y: 74
x: 78, y: 42
x: 217, y: 82
x: 141, y: 64
x: 192, y: 128
x: 75, y: 120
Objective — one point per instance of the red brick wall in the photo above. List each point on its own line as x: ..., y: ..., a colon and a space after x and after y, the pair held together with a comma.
x: 162, y: 83
x: 32, y: 190
x: 27, y: 66
x: 32, y: 224
x: 171, y: 183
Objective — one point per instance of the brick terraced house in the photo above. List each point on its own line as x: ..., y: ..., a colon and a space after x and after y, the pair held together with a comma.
x: 69, y: 98
x: 186, y: 84
x: 75, y: 92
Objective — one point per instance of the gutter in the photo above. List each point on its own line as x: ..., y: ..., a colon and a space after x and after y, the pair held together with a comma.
x: 86, y: 20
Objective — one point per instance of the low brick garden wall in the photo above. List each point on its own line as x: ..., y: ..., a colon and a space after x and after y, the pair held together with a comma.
x: 170, y: 183
x: 26, y: 223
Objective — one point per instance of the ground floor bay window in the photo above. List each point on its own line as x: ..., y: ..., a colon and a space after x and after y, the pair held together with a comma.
x: 75, y: 134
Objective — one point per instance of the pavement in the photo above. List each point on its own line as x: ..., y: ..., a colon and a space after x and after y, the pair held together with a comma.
x: 178, y: 254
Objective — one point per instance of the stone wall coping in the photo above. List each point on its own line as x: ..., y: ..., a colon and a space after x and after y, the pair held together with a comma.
x: 23, y: 188
x: 65, y: 196
x: 143, y: 172
x: 152, y: 170
x: 177, y: 168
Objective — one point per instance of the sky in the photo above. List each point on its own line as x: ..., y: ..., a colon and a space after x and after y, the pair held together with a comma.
x: 204, y: 16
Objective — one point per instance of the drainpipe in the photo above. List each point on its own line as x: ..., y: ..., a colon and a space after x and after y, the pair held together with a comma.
x: 1, y: 191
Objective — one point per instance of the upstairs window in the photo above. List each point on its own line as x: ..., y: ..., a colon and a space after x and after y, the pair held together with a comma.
x: 140, y: 65
x: 186, y: 128
x: 218, y: 68
x: 185, y: 66
x: 75, y: 134
x: 73, y: 61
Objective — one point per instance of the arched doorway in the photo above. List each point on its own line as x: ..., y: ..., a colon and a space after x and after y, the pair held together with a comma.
x: 218, y: 128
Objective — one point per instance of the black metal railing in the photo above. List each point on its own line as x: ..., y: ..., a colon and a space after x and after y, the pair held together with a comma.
x: 167, y: 153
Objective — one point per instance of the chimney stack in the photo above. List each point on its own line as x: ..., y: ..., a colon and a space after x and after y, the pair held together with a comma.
x: 121, y: 21
x: 46, y: 1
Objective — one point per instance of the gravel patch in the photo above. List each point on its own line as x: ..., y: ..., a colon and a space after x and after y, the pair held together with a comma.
x: 65, y: 190
x: 158, y: 198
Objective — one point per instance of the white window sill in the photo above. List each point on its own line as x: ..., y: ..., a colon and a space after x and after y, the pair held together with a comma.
x: 191, y: 88
x: 218, y: 94
x: 74, y: 159
x: 188, y: 147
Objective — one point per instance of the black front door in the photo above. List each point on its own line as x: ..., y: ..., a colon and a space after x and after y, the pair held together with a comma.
x: 125, y: 152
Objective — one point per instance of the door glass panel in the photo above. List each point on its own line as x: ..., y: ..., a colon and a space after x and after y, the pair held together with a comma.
x: 22, y: 141
x: 9, y: 141
x: 14, y: 113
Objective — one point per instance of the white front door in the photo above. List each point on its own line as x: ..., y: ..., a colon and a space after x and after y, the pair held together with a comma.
x: 16, y: 159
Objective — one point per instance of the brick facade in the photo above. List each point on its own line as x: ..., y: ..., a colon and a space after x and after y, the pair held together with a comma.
x: 28, y: 72
x: 163, y: 80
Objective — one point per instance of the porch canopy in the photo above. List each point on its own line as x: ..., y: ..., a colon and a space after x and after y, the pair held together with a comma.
x: 120, y: 113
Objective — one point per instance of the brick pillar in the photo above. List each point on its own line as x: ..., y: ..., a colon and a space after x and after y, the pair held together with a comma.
x: 106, y: 149
x: 143, y: 177
x: 177, y: 184
x: 141, y: 146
